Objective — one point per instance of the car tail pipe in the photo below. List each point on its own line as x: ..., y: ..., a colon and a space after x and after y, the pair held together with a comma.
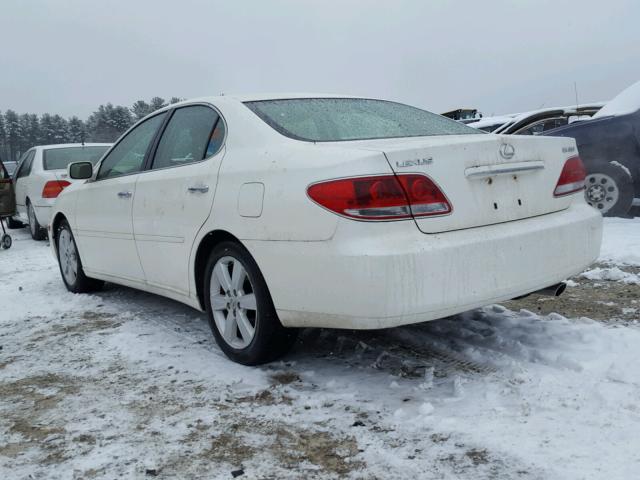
x: 553, y: 290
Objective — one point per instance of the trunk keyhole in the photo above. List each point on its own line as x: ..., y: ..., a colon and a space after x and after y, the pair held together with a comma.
x: 495, y: 206
x: 519, y: 202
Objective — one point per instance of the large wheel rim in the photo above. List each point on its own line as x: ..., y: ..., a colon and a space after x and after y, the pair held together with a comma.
x: 32, y: 220
x: 602, y: 191
x: 68, y: 257
x: 233, y: 302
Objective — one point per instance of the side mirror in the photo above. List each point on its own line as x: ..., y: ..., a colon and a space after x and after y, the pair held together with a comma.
x: 80, y: 170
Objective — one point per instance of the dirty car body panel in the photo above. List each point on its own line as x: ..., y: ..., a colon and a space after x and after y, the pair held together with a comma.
x: 480, y: 222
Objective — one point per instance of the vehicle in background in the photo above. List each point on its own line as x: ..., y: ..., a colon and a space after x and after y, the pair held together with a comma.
x: 539, y: 121
x: 41, y: 176
x: 7, y: 204
x: 11, y: 167
x: 536, y: 122
x: 322, y: 211
x: 463, y: 115
x: 490, y: 124
x: 609, y: 145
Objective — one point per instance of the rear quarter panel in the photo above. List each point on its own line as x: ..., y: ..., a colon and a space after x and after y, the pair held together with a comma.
x: 285, y: 170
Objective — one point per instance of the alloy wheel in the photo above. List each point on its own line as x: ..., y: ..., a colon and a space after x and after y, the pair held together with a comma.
x: 602, y: 191
x: 32, y: 220
x: 68, y: 257
x: 233, y: 302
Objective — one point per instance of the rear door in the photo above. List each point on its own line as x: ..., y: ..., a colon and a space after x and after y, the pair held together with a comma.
x: 21, y: 183
x: 174, y: 197
x: 488, y: 179
x: 104, y: 227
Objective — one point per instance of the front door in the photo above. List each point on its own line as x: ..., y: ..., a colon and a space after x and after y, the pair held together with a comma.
x: 174, y: 197
x: 7, y: 195
x: 104, y: 228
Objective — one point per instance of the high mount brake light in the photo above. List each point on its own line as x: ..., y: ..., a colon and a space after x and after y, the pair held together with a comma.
x: 571, y: 179
x: 381, y: 197
x: 53, y: 188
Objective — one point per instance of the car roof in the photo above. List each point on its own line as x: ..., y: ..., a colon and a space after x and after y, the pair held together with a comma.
x: 255, y: 97
x: 68, y: 145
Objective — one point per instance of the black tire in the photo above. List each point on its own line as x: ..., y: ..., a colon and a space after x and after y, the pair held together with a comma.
x: 36, y: 230
x: 608, y: 176
x: 82, y: 283
x: 270, y: 340
x: 14, y: 224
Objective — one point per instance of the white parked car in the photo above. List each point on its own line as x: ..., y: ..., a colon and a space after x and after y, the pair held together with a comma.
x: 272, y: 213
x: 41, y: 176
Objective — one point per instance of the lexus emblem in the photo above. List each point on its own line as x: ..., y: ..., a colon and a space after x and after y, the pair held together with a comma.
x: 507, y: 151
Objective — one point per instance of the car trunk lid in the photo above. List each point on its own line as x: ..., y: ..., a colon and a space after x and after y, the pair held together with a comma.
x: 488, y: 179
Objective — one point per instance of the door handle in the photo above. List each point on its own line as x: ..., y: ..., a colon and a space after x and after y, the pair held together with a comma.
x: 201, y: 189
x: 124, y: 194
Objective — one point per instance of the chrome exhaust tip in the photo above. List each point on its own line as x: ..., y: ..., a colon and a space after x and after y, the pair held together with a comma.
x: 553, y: 290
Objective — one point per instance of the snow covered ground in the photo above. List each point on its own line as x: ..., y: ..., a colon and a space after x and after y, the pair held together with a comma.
x: 127, y: 384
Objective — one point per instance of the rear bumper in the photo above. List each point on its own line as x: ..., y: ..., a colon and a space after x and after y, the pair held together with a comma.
x: 382, y: 275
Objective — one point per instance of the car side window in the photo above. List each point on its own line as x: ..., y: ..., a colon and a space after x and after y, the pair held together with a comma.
x: 191, y: 135
x: 25, y: 165
x: 128, y: 155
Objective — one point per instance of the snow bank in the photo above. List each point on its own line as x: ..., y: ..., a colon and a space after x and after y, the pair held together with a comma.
x: 613, y: 274
x: 621, y: 241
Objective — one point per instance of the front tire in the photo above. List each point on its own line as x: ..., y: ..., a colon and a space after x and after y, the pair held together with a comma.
x: 36, y: 230
x: 242, y: 317
x: 70, y: 264
x: 609, y: 188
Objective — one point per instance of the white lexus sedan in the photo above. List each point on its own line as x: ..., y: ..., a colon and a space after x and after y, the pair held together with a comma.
x: 41, y: 176
x: 276, y: 212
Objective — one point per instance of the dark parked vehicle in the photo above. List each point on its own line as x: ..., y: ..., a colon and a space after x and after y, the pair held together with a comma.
x: 609, y: 145
x: 540, y: 121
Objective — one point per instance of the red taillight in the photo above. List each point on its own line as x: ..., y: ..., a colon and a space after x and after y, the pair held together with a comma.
x: 383, y: 197
x: 53, y: 188
x: 572, y: 178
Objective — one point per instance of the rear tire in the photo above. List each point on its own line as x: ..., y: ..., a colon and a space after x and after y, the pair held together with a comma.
x: 70, y: 264
x: 609, y: 189
x: 36, y: 230
x: 242, y: 317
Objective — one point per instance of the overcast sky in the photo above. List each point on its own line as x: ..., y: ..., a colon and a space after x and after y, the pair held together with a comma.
x: 69, y: 56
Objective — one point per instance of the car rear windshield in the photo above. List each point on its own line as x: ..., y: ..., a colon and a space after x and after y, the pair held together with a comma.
x: 339, y: 119
x: 59, y: 158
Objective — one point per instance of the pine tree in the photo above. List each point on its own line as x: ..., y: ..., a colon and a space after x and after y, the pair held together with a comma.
x: 34, y: 129
x: 76, y: 130
x: 30, y: 131
x: 108, y: 122
x: 47, y: 130
x: 156, y: 103
x: 14, y: 134
x: 60, y: 129
x: 140, y: 109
